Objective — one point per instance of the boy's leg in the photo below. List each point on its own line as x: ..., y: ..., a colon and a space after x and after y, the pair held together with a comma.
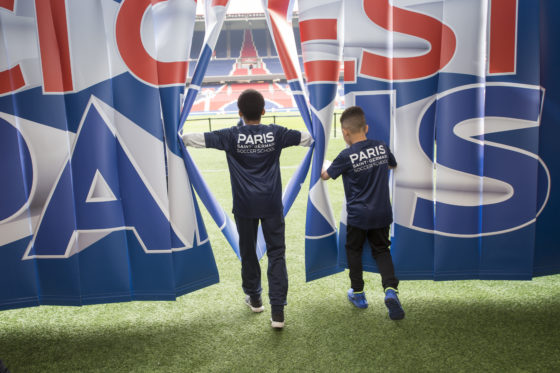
x: 379, y: 241
x: 355, y: 238
x: 274, y: 231
x: 250, y: 267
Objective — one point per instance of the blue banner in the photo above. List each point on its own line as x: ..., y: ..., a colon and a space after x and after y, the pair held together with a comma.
x: 469, y: 116
x: 96, y: 204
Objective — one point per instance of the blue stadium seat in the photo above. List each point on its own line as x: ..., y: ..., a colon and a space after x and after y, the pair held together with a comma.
x: 198, y: 39
x: 259, y: 38
x: 273, y: 65
x: 220, y: 67
x: 221, y: 46
x: 236, y: 41
x: 298, y: 40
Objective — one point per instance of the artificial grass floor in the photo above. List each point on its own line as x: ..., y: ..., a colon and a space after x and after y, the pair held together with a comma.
x: 481, y: 326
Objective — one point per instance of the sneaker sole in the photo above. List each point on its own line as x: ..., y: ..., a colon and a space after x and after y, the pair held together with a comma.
x: 256, y: 309
x: 277, y: 324
x: 395, y: 310
x: 355, y: 305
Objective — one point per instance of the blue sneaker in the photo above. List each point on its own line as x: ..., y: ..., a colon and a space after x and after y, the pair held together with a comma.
x: 358, y: 299
x: 393, y: 304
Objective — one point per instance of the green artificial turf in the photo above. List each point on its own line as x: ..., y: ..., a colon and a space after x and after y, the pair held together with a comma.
x: 469, y: 326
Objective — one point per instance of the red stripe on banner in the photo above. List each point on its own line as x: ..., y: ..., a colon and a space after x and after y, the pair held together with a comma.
x: 350, y: 71
x: 503, y: 17
x: 11, y: 80
x: 7, y: 4
x: 219, y: 2
x: 322, y: 70
x: 53, y: 41
x: 133, y: 53
x: 318, y: 29
x: 279, y: 7
x: 282, y: 49
x: 441, y: 38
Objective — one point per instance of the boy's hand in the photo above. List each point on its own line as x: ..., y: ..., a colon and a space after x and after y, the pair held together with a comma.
x: 324, y: 174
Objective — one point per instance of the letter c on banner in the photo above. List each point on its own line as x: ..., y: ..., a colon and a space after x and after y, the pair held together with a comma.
x: 441, y: 38
x: 133, y: 53
x: 11, y: 79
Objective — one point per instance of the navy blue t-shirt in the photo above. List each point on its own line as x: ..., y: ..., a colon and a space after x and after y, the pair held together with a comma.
x: 253, y: 156
x: 364, y: 167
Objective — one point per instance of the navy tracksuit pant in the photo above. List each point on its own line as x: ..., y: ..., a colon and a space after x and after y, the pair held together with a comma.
x: 273, y: 231
x: 379, y: 242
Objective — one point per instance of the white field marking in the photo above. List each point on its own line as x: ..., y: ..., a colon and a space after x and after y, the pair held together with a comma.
x: 225, y: 169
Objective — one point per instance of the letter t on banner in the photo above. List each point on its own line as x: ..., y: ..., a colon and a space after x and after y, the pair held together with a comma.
x: 320, y: 23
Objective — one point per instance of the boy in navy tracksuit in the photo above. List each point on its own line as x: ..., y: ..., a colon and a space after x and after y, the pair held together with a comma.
x: 253, y: 154
x: 364, y: 167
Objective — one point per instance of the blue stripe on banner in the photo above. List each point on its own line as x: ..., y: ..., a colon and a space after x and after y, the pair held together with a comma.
x: 320, y: 255
x: 20, y: 285
x: 378, y: 115
x: 322, y: 94
x: 198, y: 76
x: 316, y: 225
x: 413, y: 253
x: 202, y: 65
x: 547, y: 252
x: 295, y: 183
x: 190, y: 273
x: 216, y: 211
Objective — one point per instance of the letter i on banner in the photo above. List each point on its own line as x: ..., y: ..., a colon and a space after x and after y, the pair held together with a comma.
x: 320, y: 26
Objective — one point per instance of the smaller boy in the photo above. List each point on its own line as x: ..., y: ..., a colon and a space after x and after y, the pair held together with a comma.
x: 364, y: 167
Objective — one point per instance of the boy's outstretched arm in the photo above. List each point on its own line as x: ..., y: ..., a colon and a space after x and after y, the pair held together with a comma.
x: 324, y: 174
x: 306, y: 139
x: 194, y: 139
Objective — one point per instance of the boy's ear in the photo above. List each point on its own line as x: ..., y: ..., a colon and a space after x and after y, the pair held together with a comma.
x: 264, y: 111
x: 366, y: 129
x: 240, y: 114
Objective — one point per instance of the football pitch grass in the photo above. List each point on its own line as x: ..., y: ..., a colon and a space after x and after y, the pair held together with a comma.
x: 469, y: 326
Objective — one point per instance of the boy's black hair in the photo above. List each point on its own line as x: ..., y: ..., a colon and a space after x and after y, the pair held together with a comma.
x: 353, y: 119
x: 251, y: 104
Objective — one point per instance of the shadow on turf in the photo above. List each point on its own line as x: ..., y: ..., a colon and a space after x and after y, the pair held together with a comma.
x: 318, y: 329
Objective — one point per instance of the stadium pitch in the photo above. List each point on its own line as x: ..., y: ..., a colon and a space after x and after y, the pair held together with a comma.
x: 449, y: 326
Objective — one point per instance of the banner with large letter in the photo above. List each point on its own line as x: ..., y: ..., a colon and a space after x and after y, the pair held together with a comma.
x: 459, y: 91
x: 96, y: 196
x: 95, y: 201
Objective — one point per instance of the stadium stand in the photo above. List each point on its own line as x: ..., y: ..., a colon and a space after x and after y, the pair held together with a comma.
x: 222, y: 46
x: 198, y: 39
x: 235, y: 43
x: 245, y: 57
x: 273, y: 65
x: 261, y: 40
x: 248, y: 49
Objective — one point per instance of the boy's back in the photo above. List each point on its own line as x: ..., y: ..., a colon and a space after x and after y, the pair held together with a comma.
x: 253, y: 153
x: 364, y: 169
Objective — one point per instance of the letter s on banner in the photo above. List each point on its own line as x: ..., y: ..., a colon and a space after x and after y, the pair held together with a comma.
x: 503, y: 148
x: 133, y: 53
x: 441, y: 38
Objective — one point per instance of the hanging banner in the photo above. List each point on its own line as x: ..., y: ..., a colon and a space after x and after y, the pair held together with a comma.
x: 455, y: 88
x: 89, y: 110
